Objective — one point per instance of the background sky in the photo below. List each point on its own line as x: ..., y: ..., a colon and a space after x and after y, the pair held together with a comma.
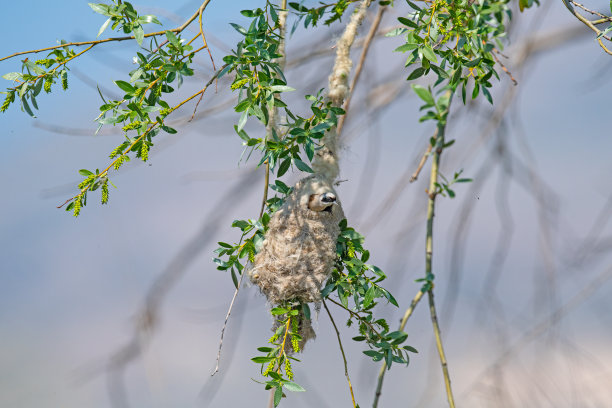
x: 521, y: 255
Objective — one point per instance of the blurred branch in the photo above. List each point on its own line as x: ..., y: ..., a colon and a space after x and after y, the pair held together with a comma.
x: 585, y: 293
x: 149, y: 316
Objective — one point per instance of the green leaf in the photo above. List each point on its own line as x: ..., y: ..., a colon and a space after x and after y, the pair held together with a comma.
x: 293, y: 387
x: 376, y: 356
x: 424, y: 94
x: 138, y: 34
x: 168, y: 129
x: 407, y: 22
x: 429, y: 53
x: 172, y: 38
x: 125, y: 86
x: 278, y: 394
x: 397, y: 336
x: 239, y: 28
x: 148, y: 18
x: 369, y: 296
x: 12, y: 76
x: 240, y: 224
x: 278, y: 311
x: 302, y: 166
x: 243, y: 119
x: 416, y: 73
x: 27, y: 108
x: 103, y: 27
x: 406, y: 47
x: 284, y: 166
x: 84, y: 172
x: 100, y: 8
x: 262, y: 360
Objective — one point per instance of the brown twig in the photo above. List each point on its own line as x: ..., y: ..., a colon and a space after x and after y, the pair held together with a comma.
x: 604, y: 18
x: 146, y: 132
x: 503, y: 67
x: 112, y: 39
x: 416, y: 173
x: 342, y: 351
x: 589, y: 24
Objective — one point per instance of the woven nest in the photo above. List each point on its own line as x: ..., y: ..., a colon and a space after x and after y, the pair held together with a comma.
x: 299, y: 249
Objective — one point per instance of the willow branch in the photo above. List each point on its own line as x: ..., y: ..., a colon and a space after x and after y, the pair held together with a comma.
x: 112, y: 39
x: 342, y: 351
x: 104, y: 172
x: 589, y: 24
x: 433, y: 181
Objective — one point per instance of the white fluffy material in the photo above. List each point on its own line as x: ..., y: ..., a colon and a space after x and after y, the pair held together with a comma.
x: 299, y: 250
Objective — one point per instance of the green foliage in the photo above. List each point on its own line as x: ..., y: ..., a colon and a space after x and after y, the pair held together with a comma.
x: 312, y: 15
x: 36, y: 76
x: 455, y: 41
x: 356, y: 285
x: 122, y: 14
x: 276, y: 360
x: 443, y: 187
x: 260, y: 82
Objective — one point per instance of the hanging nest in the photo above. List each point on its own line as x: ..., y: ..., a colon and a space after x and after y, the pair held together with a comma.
x: 299, y: 249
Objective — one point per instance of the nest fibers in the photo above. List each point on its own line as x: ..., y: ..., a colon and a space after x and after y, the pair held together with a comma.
x: 299, y: 250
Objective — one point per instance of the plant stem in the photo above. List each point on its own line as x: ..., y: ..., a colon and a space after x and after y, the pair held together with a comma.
x: 428, y: 287
x: 342, y: 351
x: 433, y: 180
x: 113, y: 39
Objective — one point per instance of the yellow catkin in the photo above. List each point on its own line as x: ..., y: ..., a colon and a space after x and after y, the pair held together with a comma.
x: 269, y: 368
x: 288, y: 369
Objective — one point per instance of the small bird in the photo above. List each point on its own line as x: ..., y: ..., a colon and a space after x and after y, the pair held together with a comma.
x: 322, y: 202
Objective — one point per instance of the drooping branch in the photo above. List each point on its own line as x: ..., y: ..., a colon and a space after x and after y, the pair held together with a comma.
x: 591, y: 24
x: 113, y: 39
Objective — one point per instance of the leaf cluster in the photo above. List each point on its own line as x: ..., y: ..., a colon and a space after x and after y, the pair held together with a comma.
x: 276, y: 360
x: 36, y: 76
x: 123, y: 15
x: 455, y: 40
x: 312, y: 15
x: 356, y: 284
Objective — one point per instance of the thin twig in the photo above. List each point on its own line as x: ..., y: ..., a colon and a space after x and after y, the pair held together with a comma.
x: 364, y: 52
x: 104, y: 172
x: 589, y: 24
x: 112, y: 39
x: 342, y: 351
x: 416, y: 173
x: 503, y: 67
x: 433, y: 181
x: 604, y: 18
x: 229, y: 312
x: 356, y: 316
